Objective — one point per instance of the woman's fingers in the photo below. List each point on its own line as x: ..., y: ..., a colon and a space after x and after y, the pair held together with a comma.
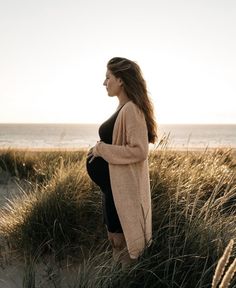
x: 91, y: 159
x: 90, y: 152
x: 90, y: 155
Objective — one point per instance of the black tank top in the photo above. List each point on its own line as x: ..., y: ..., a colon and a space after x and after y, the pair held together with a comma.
x: 98, y: 169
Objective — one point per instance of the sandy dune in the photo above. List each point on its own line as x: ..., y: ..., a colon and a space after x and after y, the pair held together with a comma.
x: 13, y: 271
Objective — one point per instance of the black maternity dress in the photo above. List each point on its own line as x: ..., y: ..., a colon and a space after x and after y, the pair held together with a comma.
x: 98, y: 171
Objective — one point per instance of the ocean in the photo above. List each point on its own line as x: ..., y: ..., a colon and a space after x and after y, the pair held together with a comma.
x: 86, y: 135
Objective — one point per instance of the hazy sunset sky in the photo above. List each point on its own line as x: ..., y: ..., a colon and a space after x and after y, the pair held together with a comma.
x: 53, y: 56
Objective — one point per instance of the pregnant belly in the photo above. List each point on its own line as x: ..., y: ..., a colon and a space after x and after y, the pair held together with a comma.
x: 98, y: 171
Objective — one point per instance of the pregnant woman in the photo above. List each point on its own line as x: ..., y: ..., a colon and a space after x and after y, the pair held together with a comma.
x: 118, y: 163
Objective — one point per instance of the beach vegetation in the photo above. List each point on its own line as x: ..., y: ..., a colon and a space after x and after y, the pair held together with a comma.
x: 57, y: 213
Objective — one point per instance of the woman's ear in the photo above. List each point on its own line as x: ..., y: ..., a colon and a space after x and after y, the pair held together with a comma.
x: 120, y: 82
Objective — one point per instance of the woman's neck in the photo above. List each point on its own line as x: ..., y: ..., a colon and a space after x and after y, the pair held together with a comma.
x: 123, y: 99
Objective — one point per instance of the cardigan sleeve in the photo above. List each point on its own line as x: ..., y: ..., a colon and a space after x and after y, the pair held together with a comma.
x: 136, y: 147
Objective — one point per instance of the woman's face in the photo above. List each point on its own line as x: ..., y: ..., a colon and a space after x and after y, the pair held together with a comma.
x: 113, y: 84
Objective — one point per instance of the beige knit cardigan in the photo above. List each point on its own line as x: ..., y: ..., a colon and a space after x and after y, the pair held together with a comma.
x: 128, y: 165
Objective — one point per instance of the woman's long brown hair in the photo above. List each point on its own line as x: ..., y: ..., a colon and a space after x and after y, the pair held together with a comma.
x: 136, y: 89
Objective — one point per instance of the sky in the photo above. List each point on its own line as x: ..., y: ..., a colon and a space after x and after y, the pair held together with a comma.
x: 53, y: 56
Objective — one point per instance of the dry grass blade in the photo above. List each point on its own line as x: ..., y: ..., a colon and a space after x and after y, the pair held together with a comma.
x: 220, y: 268
x: 228, y: 275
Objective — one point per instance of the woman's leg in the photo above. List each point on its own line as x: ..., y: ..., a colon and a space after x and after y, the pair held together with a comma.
x: 110, y: 215
x: 114, y: 229
x: 120, y: 252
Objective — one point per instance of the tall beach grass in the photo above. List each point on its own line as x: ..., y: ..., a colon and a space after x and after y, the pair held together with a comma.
x: 58, y: 212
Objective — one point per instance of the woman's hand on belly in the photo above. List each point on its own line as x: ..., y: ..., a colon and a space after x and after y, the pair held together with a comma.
x: 90, y: 155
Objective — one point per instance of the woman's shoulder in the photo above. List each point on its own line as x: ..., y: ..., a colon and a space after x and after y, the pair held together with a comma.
x: 130, y: 106
x: 130, y: 110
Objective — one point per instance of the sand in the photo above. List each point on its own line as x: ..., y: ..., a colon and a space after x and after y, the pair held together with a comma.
x: 13, y: 270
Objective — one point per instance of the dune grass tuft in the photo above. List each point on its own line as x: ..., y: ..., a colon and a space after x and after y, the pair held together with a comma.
x: 193, y: 197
